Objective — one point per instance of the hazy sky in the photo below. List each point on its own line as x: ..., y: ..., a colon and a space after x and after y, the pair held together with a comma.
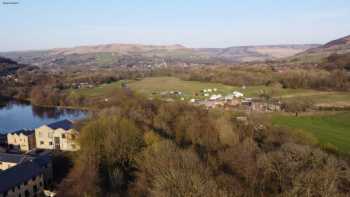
x: 39, y: 24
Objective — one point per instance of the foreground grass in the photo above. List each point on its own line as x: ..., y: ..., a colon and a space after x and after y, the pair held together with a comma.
x: 330, y: 129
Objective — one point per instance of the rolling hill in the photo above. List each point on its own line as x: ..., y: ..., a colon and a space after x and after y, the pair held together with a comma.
x: 256, y: 53
x: 136, y: 55
x: 325, y: 53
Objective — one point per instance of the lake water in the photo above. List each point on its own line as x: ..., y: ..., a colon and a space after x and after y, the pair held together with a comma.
x: 16, y: 115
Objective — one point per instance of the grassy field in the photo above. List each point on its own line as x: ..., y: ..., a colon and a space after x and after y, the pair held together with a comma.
x: 189, y: 88
x: 99, y: 91
x: 154, y: 86
x: 333, y: 129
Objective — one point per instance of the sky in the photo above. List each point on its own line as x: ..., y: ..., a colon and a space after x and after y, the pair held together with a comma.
x: 43, y: 24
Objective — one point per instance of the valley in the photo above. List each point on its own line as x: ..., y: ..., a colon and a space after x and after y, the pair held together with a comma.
x: 175, y: 99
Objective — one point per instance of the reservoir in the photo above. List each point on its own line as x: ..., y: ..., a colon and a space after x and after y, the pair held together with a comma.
x: 15, y: 115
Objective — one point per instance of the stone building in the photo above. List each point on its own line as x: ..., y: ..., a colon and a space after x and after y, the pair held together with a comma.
x: 28, y: 178
x: 57, y: 136
x: 22, y: 140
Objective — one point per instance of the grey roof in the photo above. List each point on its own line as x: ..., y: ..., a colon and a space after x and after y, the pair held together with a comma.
x: 24, y: 132
x: 13, y: 158
x: 23, y: 172
x: 18, y: 174
x: 63, y: 124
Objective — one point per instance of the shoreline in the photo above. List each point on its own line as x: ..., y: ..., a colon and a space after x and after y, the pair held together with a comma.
x: 4, y: 100
x: 62, y: 112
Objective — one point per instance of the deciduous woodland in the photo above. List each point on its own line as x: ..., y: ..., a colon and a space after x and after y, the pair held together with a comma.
x: 137, y: 147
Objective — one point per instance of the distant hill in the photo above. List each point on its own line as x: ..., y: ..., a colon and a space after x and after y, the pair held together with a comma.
x: 322, y: 53
x: 257, y: 53
x: 135, y: 55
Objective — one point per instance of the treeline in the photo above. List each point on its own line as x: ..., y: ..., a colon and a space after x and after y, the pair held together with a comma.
x: 307, y: 78
x: 338, y: 61
x: 316, y: 79
x: 42, y: 87
x: 137, y: 147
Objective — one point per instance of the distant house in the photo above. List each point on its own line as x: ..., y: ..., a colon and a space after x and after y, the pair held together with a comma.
x: 27, y: 178
x: 233, y: 103
x: 57, y: 136
x: 215, y: 97
x: 238, y: 94
x: 229, y: 97
x: 211, y: 104
x: 22, y: 140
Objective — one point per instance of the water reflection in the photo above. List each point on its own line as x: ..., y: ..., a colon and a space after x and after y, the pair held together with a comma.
x: 16, y: 115
x: 53, y: 112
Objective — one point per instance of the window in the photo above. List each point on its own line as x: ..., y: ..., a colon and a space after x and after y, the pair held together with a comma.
x: 26, y: 193
x: 50, y: 143
x: 63, y: 136
x: 41, y: 142
x: 35, y: 189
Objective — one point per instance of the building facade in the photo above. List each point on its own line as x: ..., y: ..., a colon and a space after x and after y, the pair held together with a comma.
x: 3, y: 139
x: 28, y: 178
x: 57, y: 136
x: 23, y: 140
x: 33, y: 187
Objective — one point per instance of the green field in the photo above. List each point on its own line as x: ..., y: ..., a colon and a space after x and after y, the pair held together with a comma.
x: 333, y: 129
x: 154, y: 86
x: 99, y: 91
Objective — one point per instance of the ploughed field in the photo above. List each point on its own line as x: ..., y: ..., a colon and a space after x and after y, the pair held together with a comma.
x: 331, y: 129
